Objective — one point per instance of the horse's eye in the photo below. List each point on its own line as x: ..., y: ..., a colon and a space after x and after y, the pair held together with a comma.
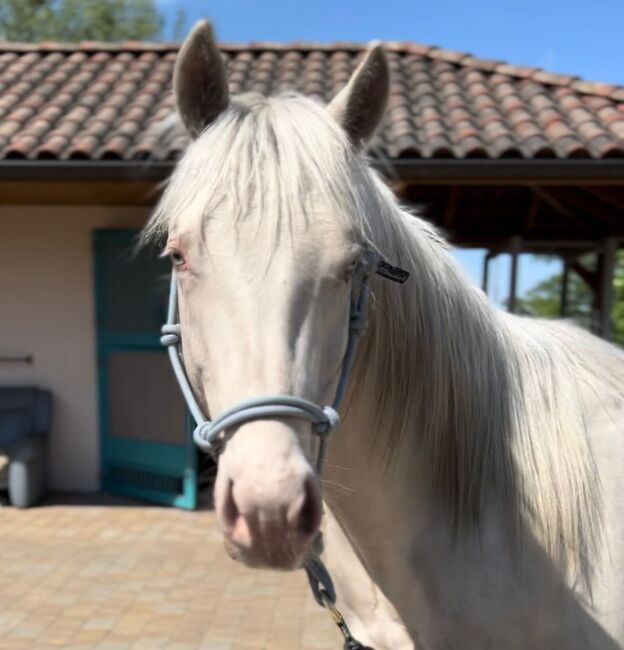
x: 177, y: 259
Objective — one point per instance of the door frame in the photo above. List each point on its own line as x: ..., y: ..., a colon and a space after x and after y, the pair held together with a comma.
x: 177, y: 462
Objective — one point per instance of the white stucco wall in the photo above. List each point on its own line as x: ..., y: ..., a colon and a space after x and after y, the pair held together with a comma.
x: 47, y: 309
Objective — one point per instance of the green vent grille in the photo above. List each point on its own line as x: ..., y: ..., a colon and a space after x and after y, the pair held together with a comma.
x: 146, y: 480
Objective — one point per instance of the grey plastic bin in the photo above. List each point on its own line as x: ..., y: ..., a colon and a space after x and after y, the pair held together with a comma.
x: 25, y: 416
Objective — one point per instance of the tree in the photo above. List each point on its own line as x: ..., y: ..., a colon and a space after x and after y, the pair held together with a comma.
x: 543, y: 300
x: 179, y: 24
x: 78, y: 20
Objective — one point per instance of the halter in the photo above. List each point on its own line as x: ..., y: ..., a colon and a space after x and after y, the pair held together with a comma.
x: 211, y: 436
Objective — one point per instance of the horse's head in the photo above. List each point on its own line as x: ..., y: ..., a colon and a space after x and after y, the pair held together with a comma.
x: 260, y: 223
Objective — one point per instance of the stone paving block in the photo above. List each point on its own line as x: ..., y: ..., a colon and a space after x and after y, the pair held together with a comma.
x: 126, y: 577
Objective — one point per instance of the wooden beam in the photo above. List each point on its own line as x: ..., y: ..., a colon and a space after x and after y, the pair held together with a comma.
x: 417, y: 171
x: 590, y: 278
x: 450, y: 211
x: 486, y: 271
x: 515, y: 249
x: 607, y: 267
x: 565, y: 283
x: 79, y: 192
x: 510, y: 172
x: 558, y: 206
x: 614, y: 196
x: 532, y: 212
x: 542, y: 243
x: 574, y: 197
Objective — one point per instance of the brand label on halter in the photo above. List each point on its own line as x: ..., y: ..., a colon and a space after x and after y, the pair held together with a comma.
x: 390, y: 272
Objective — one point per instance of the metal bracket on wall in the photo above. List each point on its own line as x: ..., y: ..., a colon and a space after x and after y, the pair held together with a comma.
x: 16, y: 358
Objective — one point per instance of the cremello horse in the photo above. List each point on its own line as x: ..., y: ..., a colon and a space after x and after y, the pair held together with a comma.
x: 475, y: 489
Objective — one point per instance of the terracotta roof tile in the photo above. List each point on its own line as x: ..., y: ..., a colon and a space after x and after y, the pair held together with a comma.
x: 108, y: 100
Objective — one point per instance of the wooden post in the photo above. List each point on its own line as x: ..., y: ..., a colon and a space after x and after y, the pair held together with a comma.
x: 514, y: 249
x: 607, y: 269
x: 450, y: 212
x: 565, y: 281
x: 486, y: 271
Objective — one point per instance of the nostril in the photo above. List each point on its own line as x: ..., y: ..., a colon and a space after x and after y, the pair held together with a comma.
x: 230, y: 511
x: 311, y: 510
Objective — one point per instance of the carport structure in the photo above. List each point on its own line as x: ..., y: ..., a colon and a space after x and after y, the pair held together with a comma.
x: 562, y: 208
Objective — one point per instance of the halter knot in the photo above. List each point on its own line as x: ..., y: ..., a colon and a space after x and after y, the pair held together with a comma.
x: 332, y: 421
x: 170, y: 334
x: 201, y: 436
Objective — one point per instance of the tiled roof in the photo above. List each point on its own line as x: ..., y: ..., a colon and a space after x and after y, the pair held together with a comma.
x: 96, y: 101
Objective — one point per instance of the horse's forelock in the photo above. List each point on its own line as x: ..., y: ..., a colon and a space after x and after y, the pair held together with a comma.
x: 274, y: 154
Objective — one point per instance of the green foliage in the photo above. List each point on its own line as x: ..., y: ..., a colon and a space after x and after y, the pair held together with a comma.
x: 79, y: 20
x: 543, y: 300
x: 179, y: 24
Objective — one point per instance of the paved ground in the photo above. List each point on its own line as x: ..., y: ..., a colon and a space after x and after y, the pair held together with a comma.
x: 122, y: 577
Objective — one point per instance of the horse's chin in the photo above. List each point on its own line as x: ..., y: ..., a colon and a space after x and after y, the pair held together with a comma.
x: 279, y: 558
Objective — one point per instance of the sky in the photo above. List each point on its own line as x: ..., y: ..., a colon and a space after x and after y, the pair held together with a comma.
x: 573, y: 36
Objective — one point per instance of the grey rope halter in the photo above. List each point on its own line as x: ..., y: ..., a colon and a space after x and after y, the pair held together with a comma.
x: 210, y: 436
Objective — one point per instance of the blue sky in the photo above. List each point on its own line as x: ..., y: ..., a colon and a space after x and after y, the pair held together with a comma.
x: 576, y: 36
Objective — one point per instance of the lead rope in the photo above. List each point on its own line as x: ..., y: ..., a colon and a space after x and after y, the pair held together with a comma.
x: 324, y: 593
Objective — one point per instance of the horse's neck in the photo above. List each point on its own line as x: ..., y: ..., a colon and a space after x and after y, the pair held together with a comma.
x: 474, y: 394
x: 378, y: 514
x: 378, y: 507
x: 379, y: 480
x: 430, y: 375
x: 421, y: 402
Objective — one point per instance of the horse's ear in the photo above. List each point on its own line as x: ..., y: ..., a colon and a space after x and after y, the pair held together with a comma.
x: 360, y: 106
x: 200, y: 80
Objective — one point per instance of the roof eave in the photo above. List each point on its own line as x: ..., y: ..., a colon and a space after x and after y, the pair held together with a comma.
x: 84, y: 170
x: 413, y: 170
x: 510, y: 171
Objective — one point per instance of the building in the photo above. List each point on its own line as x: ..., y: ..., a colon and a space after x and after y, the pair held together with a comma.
x: 502, y: 157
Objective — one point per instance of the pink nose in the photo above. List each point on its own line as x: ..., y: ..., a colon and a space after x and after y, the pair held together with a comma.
x: 277, y: 528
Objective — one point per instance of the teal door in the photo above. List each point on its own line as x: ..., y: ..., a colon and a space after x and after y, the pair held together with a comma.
x: 146, y: 447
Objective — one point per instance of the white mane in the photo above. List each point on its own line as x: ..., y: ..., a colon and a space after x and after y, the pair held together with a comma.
x: 269, y: 153
x: 498, y: 403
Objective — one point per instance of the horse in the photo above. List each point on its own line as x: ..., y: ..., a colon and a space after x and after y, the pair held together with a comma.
x: 473, y: 492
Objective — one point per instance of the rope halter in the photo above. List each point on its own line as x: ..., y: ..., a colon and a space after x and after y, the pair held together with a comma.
x: 211, y: 436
